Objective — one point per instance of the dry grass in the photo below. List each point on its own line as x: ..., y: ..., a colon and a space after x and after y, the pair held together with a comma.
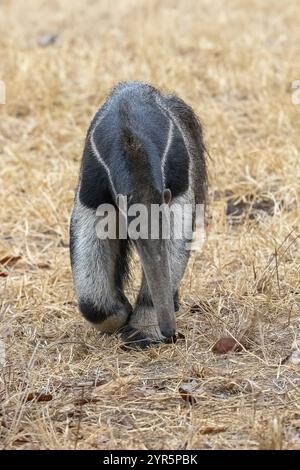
x: 235, y: 65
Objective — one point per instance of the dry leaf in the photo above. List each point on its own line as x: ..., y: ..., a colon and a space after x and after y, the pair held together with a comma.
x: 212, y: 429
x: 226, y: 345
x: 187, y: 397
x: 85, y: 401
x: 237, y: 207
x: 20, y: 441
x: 186, y: 392
x: 10, y: 260
x: 40, y: 397
x: 64, y: 244
x: 44, y: 265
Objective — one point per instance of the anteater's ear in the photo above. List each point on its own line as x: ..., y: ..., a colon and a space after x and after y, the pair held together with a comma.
x: 167, y: 196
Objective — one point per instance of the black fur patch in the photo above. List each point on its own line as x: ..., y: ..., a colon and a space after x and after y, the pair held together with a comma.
x: 176, y: 302
x: 91, y: 313
x: 97, y: 314
x: 177, y: 166
x: 198, y: 151
x: 122, y: 264
x: 94, y: 189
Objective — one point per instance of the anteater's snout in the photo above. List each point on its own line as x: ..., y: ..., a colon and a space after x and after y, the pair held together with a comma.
x: 168, y: 332
x: 167, y: 325
x: 171, y: 340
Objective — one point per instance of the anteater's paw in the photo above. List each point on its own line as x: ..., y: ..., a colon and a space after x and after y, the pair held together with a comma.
x: 137, y: 337
x: 143, y: 329
x: 115, y: 319
x: 112, y: 324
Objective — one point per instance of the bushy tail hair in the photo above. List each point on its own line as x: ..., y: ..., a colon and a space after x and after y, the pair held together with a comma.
x: 132, y: 144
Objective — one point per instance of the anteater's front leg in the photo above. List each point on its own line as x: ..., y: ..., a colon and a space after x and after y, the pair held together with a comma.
x: 99, y: 267
x: 143, y: 328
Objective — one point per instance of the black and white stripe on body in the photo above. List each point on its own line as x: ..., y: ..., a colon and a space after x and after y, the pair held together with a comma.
x: 140, y: 144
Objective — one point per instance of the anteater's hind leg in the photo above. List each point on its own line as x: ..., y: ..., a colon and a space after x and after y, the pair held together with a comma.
x: 143, y: 328
x: 99, y: 269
